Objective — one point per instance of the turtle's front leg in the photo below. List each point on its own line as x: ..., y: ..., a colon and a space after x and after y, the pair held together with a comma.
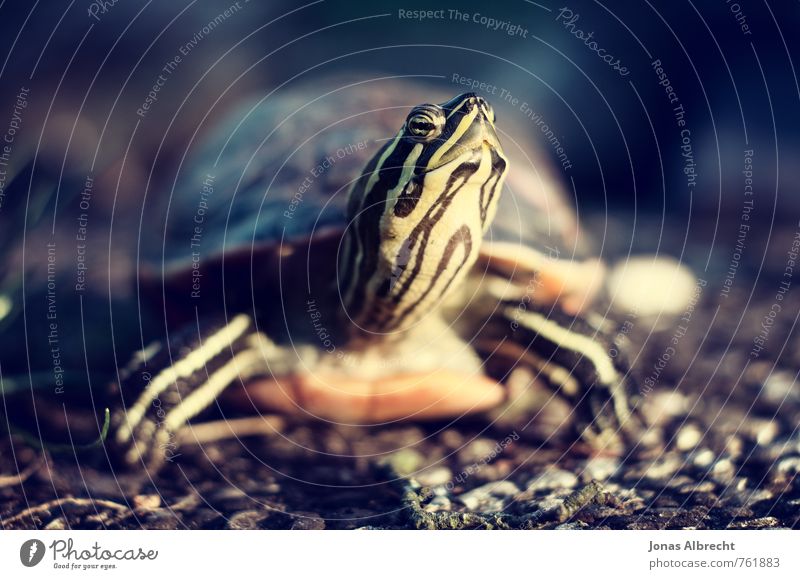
x: 581, y: 359
x: 166, y: 385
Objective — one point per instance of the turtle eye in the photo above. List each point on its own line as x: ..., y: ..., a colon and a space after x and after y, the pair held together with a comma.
x: 425, y: 124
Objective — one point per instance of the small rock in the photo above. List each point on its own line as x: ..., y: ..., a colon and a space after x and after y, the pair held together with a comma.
x: 452, y: 439
x: 703, y: 457
x: 665, y: 468
x: 677, y: 481
x: 146, y: 501
x: 439, y: 504
x: 767, y: 434
x: 439, y: 491
x: 552, y: 479
x: 58, y: 524
x: 272, y: 488
x: 761, y: 431
x: 405, y: 462
x: 781, y: 388
x: 734, y: 446
x: 576, y: 526
x: 479, y: 450
x: 723, y: 470
x: 227, y: 493
x: 600, y: 468
x: 703, y: 487
x: 789, y: 466
x: 688, y: 437
x: 307, y: 522
x: 761, y: 523
x: 435, y: 476
x: 660, y: 407
x: 652, y: 437
x: 489, y: 497
x: 246, y: 520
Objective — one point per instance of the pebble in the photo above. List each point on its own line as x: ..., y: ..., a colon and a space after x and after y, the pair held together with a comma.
x: 58, y: 524
x: 741, y: 484
x: 702, y: 458
x: 435, y: 476
x: 762, y: 431
x: 551, y: 503
x: 652, y: 437
x: 665, y: 468
x: 703, y: 487
x: 405, y: 462
x: 552, y: 479
x: 439, y: 504
x: 653, y: 288
x: 576, y: 526
x: 734, y: 446
x: 272, y: 488
x: 307, y: 522
x: 489, y: 497
x: 439, y: 491
x: 146, y: 501
x: 789, y: 466
x: 228, y: 493
x: 723, y: 470
x: 452, y: 439
x: 688, y: 437
x: 662, y: 406
x: 246, y: 520
x: 600, y: 468
x: 477, y: 451
x: 780, y: 388
x: 761, y: 523
x: 677, y: 481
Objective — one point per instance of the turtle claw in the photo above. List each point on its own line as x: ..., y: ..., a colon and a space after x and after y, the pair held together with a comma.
x: 582, y: 362
x: 165, y: 387
x: 606, y: 418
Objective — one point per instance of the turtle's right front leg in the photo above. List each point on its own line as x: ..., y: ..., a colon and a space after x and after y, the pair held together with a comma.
x: 166, y: 385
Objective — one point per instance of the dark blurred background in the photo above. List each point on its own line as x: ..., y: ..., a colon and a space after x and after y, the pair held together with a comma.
x: 730, y: 64
x: 643, y: 175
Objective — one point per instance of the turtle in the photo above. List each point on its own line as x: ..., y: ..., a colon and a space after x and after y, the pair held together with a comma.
x: 383, y: 251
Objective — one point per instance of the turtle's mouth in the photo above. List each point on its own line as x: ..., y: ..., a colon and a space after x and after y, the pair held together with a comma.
x: 460, y: 154
x: 480, y: 137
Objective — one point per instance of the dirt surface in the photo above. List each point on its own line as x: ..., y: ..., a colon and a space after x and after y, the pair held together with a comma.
x: 728, y: 456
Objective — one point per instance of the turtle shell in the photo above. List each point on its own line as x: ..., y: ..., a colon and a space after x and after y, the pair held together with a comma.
x: 273, y: 179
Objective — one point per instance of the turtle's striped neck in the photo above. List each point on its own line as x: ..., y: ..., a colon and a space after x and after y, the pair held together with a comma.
x: 418, y: 214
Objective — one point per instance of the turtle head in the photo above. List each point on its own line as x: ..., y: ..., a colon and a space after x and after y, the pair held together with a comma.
x: 418, y: 213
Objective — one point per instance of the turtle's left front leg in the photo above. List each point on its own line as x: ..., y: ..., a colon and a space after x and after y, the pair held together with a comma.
x: 543, y: 315
x: 583, y: 360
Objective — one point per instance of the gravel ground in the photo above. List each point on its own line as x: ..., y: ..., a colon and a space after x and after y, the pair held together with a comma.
x: 729, y: 454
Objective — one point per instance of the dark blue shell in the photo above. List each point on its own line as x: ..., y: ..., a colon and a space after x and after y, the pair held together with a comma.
x: 279, y: 168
